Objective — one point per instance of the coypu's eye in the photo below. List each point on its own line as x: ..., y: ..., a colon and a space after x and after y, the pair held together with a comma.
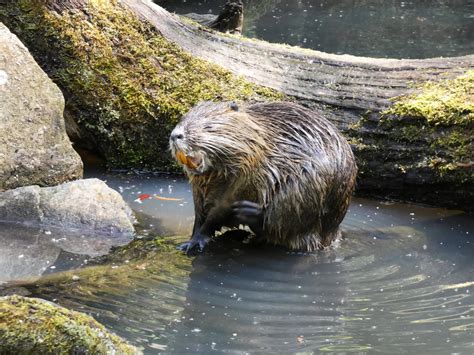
x: 207, y: 127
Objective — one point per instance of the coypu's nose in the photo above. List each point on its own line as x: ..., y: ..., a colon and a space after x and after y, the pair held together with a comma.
x: 176, y: 135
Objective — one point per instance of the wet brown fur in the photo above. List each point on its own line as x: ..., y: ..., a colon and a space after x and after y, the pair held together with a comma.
x: 290, y: 160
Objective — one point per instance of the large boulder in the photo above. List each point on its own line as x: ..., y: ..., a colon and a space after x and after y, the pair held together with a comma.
x: 87, y: 205
x: 36, y: 326
x: 34, y: 147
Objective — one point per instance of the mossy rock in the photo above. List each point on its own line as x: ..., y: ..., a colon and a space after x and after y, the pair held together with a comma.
x: 116, y: 273
x: 125, y: 85
x: 36, y: 326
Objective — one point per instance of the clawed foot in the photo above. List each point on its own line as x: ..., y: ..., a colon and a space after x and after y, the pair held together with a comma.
x: 249, y: 213
x: 197, y: 244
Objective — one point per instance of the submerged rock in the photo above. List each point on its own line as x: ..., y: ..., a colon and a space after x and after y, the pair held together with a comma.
x: 33, y: 325
x: 87, y: 205
x: 34, y: 147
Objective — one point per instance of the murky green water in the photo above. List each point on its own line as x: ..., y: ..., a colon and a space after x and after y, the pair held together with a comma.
x: 373, y: 28
x: 401, y: 282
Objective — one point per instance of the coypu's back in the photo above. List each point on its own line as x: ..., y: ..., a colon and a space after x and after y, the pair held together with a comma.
x: 310, y: 172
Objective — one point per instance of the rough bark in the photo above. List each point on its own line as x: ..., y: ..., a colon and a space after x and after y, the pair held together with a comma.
x: 354, y: 93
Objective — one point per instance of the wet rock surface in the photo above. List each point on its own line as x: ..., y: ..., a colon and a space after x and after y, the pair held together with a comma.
x: 34, y: 147
x: 88, y: 205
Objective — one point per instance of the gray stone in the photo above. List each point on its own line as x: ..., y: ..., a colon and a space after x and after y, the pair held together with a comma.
x: 34, y: 147
x: 88, y: 206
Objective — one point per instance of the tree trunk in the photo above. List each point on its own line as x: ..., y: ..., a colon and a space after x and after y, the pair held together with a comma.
x: 399, y: 156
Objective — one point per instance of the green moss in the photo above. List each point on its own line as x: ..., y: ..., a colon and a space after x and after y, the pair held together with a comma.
x: 119, y: 272
x: 439, y: 117
x: 35, y: 326
x: 440, y: 103
x: 124, y: 83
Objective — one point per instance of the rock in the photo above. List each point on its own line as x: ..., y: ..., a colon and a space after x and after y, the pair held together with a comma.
x: 36, y: 326
x: 230, y: 19
x: 88, y: 206
x: 34, y: 147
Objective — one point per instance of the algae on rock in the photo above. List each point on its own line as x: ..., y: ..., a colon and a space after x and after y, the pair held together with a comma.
x: 36, y: 326
x: 125, y: 85
x: 125, y: 274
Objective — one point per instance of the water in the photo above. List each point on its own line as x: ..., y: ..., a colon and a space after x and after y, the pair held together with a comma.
x: 400, y: 282
x: 373, y: 28
x: 28, y: 252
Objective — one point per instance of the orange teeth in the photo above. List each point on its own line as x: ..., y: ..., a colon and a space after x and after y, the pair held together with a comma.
x: 186, y: 160
x: 181, y: 157
x: 190, y: 163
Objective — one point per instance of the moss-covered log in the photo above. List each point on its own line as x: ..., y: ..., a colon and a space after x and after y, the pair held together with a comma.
x: 127, y: 81
x: 125, y: 85
x: 419, y: 149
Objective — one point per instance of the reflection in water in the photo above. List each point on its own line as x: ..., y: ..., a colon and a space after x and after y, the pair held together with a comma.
x: 401, y: 281
x: 24, y: 254
x: 28, y: 252
x: 373, y: 28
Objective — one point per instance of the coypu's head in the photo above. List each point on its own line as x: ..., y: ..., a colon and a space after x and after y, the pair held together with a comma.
x: 216, y: 137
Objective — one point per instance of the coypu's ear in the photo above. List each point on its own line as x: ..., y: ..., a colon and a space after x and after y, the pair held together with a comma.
x: 233, y: 106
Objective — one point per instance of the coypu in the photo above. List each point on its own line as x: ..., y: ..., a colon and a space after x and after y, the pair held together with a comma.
x: 279, y: 168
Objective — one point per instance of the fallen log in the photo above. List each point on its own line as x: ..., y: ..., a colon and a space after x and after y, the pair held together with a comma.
x: 126, y: 83
x: 401, y: 154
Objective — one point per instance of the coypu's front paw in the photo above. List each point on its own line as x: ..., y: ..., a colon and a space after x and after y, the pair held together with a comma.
x: 196, y: 244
